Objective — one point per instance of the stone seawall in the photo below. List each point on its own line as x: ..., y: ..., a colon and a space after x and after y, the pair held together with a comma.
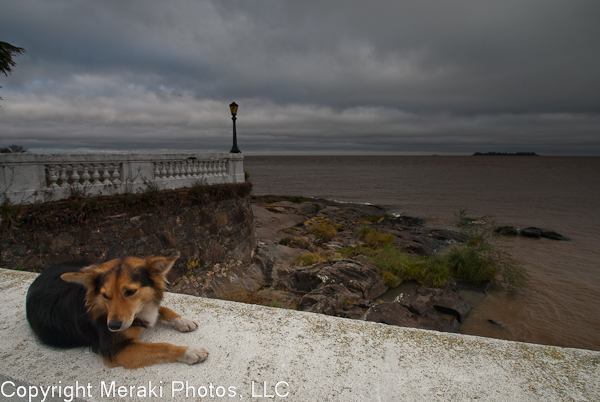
x: 205, y: 234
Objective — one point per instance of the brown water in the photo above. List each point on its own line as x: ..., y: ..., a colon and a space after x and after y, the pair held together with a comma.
x: 562, y: 307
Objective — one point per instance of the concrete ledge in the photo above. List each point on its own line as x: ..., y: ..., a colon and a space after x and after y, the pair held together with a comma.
x: 312, y: 357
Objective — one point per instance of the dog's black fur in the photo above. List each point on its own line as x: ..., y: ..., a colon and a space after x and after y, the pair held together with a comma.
x: 57, y: 313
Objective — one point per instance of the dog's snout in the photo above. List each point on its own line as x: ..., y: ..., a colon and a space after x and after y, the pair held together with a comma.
x: 115, y: 325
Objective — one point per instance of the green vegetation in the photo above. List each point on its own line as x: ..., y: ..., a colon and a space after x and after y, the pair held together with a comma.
x: 8, y: 213
x: 375, y: 239
x: 298, y: 241
x: 298, y: 200
x: 375, y: 218
x: 307, y: 260
x: 390, y: 280
x: 475, y: 260
x: 323, y: 231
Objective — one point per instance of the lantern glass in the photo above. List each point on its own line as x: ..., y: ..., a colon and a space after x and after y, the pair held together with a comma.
x: 233, y: 107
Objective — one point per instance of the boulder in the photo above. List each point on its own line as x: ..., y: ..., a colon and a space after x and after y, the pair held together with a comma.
x: 356, y: 274
x: 447, y: 301
x: 531, y: 232
x: 554, y: 236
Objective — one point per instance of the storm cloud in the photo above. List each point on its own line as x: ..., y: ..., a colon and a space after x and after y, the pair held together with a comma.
x: 319, y: 77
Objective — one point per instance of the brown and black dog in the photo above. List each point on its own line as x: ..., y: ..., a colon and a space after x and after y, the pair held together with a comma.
x: 106, y: 307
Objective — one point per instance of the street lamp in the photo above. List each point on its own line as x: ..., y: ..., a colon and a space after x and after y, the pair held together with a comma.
x: 234, y: 107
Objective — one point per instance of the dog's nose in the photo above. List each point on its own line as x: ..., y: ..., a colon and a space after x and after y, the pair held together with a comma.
x: 115, y: 325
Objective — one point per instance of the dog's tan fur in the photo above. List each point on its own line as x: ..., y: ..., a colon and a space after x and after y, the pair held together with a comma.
x: 128, y: 292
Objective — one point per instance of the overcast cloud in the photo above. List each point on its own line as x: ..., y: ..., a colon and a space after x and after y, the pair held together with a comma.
x: 324, y: 77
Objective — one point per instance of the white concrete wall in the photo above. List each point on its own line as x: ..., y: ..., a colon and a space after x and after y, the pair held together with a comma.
x: 28, y: 178
x: 312, y: 357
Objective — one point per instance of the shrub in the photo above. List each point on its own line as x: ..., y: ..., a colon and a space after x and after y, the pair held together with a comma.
x: 323, y: 231
x: 390, y: 280
x: 375, y: 239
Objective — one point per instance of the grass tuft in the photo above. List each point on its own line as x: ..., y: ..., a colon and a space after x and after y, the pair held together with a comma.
x: 323, y: 231
x: 375, y: 239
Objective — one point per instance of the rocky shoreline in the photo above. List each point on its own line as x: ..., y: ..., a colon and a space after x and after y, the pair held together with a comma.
x: 345, y: 287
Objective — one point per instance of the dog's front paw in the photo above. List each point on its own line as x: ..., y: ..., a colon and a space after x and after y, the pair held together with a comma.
x: 184, y: 324
x: 193, y: 355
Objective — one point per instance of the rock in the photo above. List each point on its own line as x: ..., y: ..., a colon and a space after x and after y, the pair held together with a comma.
x: 356, y: 274
x: 234, y: 283
x: 418, y: 304
x: 268, y: 224
x: 277, y: 260
x: 277, y: 298
x: 554, y: 236
x: 328, y: 299
x: 395, y: 314
x: 445, y: 234
x: 333, y: 287
x: 532, y: 232
x: 447, y: 301
x: 506, y: 231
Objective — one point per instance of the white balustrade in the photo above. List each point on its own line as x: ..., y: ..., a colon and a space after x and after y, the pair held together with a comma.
x: 28, y: 178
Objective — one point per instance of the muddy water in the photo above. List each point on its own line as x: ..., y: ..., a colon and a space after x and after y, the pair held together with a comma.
x: 555, y: 193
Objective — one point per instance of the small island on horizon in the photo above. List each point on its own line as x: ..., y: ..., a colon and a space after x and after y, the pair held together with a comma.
x: 505, y: 154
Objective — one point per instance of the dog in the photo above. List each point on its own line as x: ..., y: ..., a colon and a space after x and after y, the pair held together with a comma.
x: 106, y: 307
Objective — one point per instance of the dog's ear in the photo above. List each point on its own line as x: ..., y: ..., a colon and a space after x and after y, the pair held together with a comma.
x: 161, y: 265
x: 84, y: 277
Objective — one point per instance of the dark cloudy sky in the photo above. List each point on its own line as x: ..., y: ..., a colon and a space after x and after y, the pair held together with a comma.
x: 325, y: 77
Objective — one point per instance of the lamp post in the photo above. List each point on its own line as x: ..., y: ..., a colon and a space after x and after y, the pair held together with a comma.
x: 234, y: 107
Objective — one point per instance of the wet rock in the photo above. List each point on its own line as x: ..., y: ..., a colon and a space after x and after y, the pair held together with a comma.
x: 506, y: 231
x: 554, y: 236
x: 445, y: 234
x: 447, y: 301
x: 495, y: 323
x: 533, y: 232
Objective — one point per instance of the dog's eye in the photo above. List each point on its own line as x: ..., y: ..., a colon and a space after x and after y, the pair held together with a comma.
x: 105, y: 296
x: 130, y: 292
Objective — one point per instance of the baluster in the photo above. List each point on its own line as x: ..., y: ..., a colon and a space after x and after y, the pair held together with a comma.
x: 210, y: 169
x: 52, y: 175
x: 170, y: 171
x: 116, y: 173
x: 63, y: 175
x: 188, y: 169
x: 106, y: 175
x: 156, y: 171
x: 85, y: 176
x: 163, y: 171
x: 75, y: 175
x: 195, y: 169
x: 95, y: 174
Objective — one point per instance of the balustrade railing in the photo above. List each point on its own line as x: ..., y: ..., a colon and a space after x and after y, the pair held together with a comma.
x: 28, y: 178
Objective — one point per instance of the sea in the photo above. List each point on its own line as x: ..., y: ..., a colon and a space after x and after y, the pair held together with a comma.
x: 562, y: 304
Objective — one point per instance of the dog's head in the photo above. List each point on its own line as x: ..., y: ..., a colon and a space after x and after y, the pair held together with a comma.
x: 123, y: 288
